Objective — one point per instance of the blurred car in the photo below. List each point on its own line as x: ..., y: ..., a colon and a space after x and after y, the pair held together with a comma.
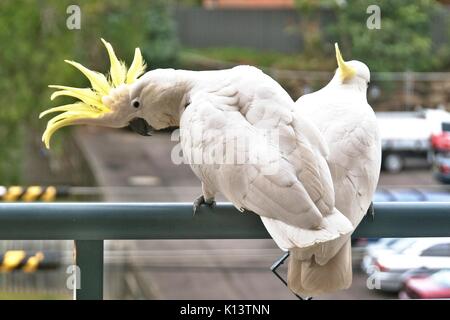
x: 435, y: 286
x: 383, y: 246
x: 408, y: 135
x: 440, y: 141
x: 411, y: 195
x: 390, y: 267
x: 363, y: 247
x: 359, y: 249
x: 441, y: 167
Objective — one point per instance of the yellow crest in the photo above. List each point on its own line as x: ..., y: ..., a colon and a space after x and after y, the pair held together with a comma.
x: 346, y: 72
x: 90, y: 104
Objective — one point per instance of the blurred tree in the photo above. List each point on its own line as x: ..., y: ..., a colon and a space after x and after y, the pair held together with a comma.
x: 127, y: 24
x: 403, y: 43
x: 162, y: 46
x: 36, y: 41
x: 28, y: 60
x: 311, y: 12
x: 193, y: 3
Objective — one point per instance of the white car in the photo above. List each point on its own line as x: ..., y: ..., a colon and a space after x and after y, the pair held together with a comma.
x: 383, y: 246
x: 390, y: 268
x: 406, y: 135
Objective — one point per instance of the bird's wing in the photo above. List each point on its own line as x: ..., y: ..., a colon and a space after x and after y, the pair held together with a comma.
x: 286, y: 179
x: 355, y: 151
x: 355, y: 163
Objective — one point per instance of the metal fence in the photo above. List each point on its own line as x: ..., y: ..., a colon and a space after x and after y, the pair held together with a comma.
x: 264, y: 29
x: 89, y: 224
x: 388, y: 91
x: 275, y: 30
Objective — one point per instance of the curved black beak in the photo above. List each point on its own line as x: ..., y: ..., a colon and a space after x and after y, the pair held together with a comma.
x: 141, y: 126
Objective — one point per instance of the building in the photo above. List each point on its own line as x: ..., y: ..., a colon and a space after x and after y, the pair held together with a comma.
x: 251, y: 4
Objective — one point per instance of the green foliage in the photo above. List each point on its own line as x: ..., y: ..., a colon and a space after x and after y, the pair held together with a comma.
x: 403, y: 43
x: 35, y: 41
x: 26, y: 62
x: 267, y: 59
x: 162, y: 46
x: 128, y: 24
x: 192, y: 3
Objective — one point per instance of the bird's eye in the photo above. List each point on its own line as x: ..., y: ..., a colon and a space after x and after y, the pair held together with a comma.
x: 136, y: 104
x: 368, y: 82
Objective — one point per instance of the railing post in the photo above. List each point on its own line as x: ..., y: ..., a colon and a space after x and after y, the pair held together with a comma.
x: 89, y: 259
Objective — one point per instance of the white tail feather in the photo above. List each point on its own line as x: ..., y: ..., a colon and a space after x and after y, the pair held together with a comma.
x: 320, y: 259
x: 309, y: 279
x: 287, y: 236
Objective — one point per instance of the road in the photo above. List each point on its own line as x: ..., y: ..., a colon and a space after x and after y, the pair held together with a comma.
x: 200, y: 269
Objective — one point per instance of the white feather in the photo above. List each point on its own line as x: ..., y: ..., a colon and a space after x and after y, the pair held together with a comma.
x: 299, y: 196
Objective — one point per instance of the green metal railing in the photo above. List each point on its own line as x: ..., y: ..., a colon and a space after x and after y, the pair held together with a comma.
x: 89, y: 224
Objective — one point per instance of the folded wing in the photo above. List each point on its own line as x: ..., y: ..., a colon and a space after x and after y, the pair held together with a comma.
x: 265, y: 159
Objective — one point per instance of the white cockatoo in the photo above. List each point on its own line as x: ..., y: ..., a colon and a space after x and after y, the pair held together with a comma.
x: 240, y: 132
x: 348, y: 125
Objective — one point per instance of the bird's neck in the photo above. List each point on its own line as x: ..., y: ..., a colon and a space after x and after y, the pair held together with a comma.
x: 166, y: 93
x: 355, y: 85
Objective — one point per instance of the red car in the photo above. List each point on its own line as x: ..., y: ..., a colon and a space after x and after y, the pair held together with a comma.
x: 441, y: 141
x: 435, y: 286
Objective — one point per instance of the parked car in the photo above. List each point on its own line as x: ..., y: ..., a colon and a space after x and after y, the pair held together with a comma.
x: 441, y: 167
x: 435, y: 286
x: 390, y: 268
x: 359, y: 248
x: 411, y: 195
x: 383, y: 246
x: 407, y: 135
x: 361, y: 245
x: 440, y: 141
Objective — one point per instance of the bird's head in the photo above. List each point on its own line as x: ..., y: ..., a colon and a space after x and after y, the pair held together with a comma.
x: 351, y: 72
x: 108, y: 103
x: 159, y: 97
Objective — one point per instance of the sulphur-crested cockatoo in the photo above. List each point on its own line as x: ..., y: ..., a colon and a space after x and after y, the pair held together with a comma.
x: 348, y: 125
x: 240, y: 132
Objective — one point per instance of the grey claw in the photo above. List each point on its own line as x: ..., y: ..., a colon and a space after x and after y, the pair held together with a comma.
x: 371, y: 211
x: 197, y: 203
x: 212, y: 204
x: 243, y: 210
x: 201, y: 200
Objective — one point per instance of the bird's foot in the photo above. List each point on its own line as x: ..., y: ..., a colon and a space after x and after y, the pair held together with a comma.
x: 371, y: 211
x: 201, y: 200
x: 243, y: 210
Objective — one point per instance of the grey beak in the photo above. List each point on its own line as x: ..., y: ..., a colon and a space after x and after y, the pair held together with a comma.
x: 141, y: 126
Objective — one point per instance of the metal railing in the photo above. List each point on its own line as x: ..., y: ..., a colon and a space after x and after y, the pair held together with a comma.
x: 89, y: 224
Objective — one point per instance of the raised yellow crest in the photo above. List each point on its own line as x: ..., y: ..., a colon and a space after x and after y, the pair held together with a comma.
x: 90, y: 104
x: 345, y: 71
